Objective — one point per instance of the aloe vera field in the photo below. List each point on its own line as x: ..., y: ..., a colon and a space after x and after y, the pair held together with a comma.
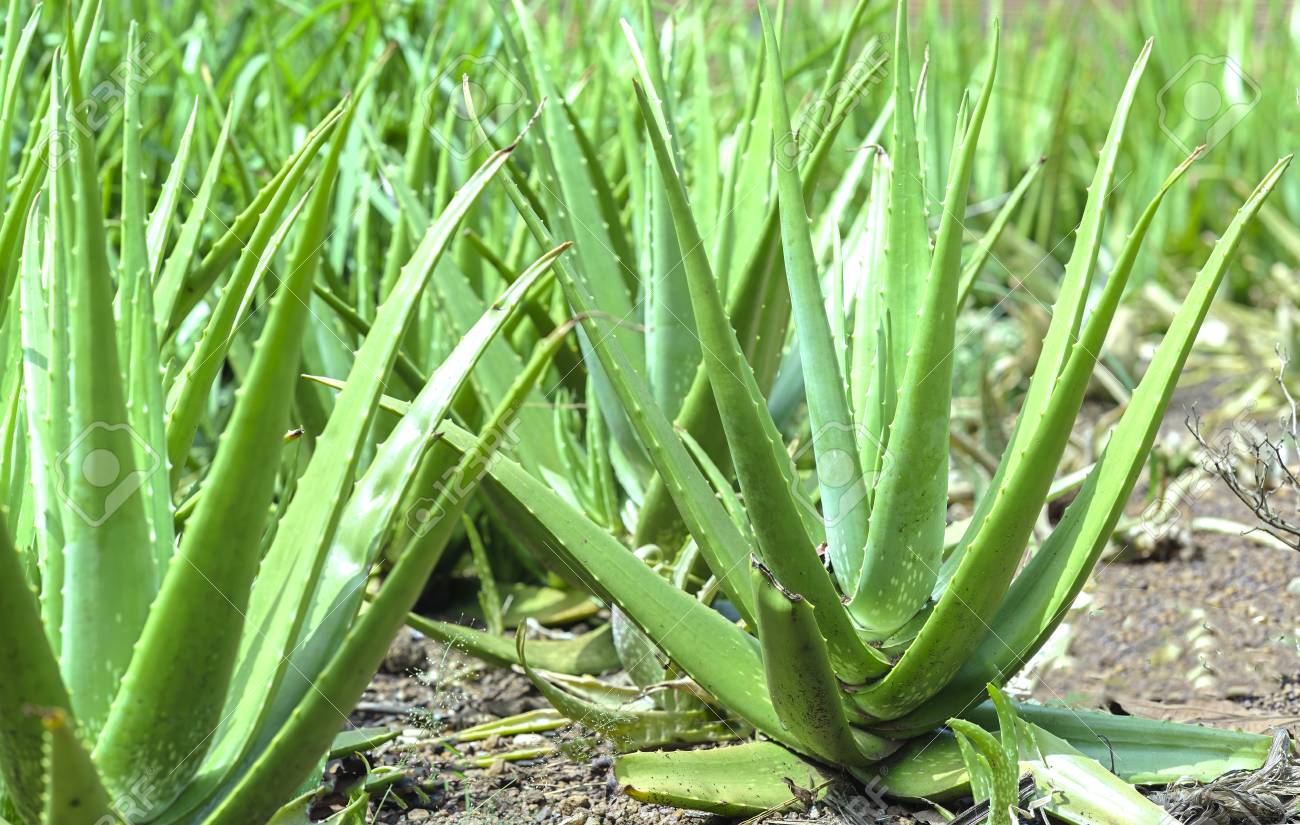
x: 651, y: 412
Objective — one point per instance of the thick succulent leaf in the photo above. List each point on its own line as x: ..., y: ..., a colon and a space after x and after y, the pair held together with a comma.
x: 1043, y: 592
x: 719, y: 656
x: 993, y: 777
x: 297, y: 745
x: 738, y: 780
x: 172, y: 696
x: 1079, y: 789
x: 908, y: 257
x: 164, y: 209
x: 74, y: 794
x: 189, y: 394
x: 377, y: 500
x: 32, y: 682
x: 834, y: 442
x: 18, y: 38
x: 904, y: 547
x: 181, y: 258
x: 1141, y: 751
x: 571, y: 195
x: 804, y: 690
x: 762, y: 465
x: 723, y: 545
x: 109, y: 561
x: 247, y: 227
x: 459, y: 308
x: 590, y: 653
x: 287, y: 577
x: 360, y: 740
x: 16, y: 214
x: 629, y: 728
x: 984, y: 249
x: 1067, y: 312
x: 137, y: 339
x: 43, y: 311
x: 672, y: 346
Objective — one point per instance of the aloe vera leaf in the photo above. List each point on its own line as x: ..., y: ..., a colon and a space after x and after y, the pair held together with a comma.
x: 834, y: 442
x: 736, y: 780
x: 592, y: 652
x: 14, y: 202
x: 14, y: 222
x: 360, y: 740
x: 983, y: 756
x: 1079, y: 789
x: 367, y: 517
x: 44, y: 342
x: 15, y: 475
x: 619, y: 245
x: 459, y: 307
x: 545, y: 605
x: 872, y: 382
x: 658, y: 521
x: 164, y: 210
x: 403, y: 367
x: 137, y: 340
x: 754, y: 124
x: 672, y: 346
x: 706, y: 161
x: 993, y: 765
x: 17, y: 42
x: 762, y: 465
x: 719, y: 656
x: 74, y: 794
x: 107, y: 555
x: 757, y: 302
x: 904, y: 548
x: 573, y: 196
x: 722, y: 486
x: 1067, y: 313
x: 804, y: 690
x: 294, y: 750
x: 252, y: 224
x: 962, y: 616
x: 907, y: 255
x: 299, y: 810
x: 600, y: 465
x: 721, y: 543
x: 1141, y: 751
x: 628, y: 728
x: 281, y: 597
x: 643, y: 662
x: 156, y: 714
x: 376, y: 500
x: 33, y: 682
x: 489, y: 598
x: 984, y: 249
x: 189, y: 393
x: 181, y: 258
x: 1041, y: 595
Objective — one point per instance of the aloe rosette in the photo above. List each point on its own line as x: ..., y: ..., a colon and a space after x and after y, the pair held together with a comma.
x: 178, y: 650
x: 877, y: 659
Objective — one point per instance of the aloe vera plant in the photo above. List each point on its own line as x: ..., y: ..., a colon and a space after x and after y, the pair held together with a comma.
x: 184, y: 659
x: 855, y: 661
